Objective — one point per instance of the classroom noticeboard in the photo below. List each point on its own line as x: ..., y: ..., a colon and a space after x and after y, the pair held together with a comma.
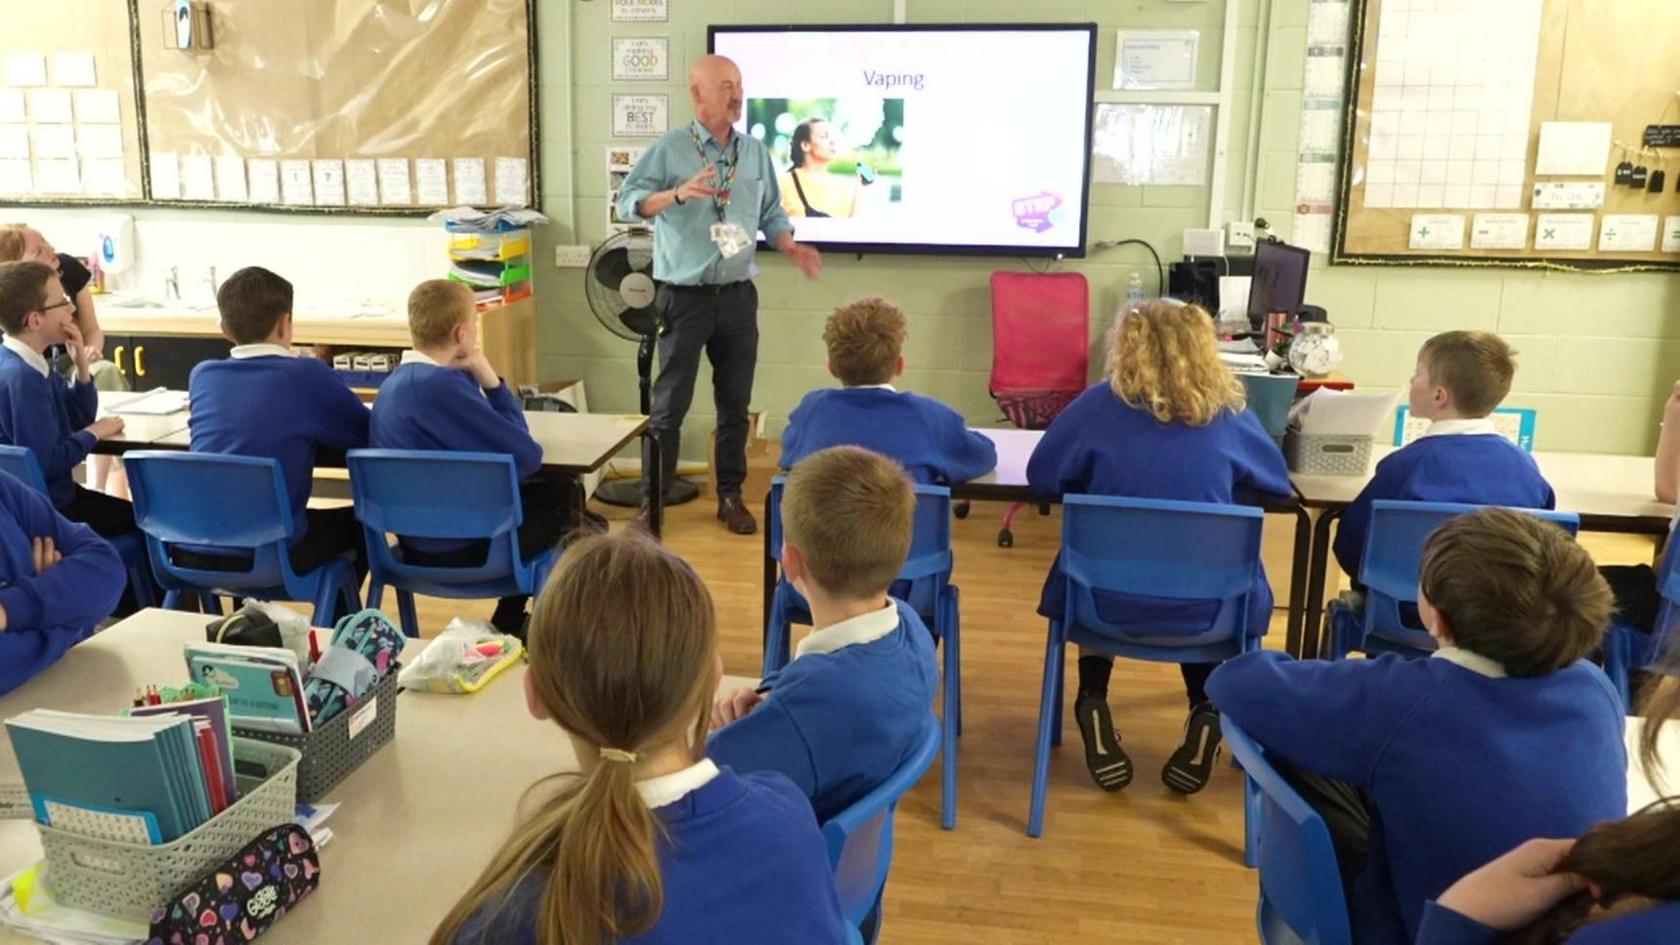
x: 1510, y: 133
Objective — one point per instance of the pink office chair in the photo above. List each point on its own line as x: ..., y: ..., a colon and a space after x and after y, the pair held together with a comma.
x: 1041, y: 355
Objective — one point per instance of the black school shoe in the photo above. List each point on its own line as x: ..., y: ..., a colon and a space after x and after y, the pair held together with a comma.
x: 1110, y: 767
x: 1191, y: 767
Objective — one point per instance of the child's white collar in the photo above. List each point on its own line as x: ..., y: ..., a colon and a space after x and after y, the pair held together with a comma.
x: 1479, y: 426
x: 864, y: 628
x: 29, y: 355
x: 263, y: 350
x: 671, y: 788
x: 1474, y: 662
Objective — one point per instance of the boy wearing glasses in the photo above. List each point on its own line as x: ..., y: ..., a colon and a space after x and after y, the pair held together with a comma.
x: 39, y: 409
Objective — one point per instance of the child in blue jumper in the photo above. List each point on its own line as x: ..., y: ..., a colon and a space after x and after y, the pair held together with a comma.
x: 865, y: 351
x: 446, y: 396
x: 39, y: 409
x: 1167, y: 423
x: 1461, y: 376
x: 57, y: 581
x: 262, y: 401
x: 652, y: 844
x: 854, y: 702
x: 1427, y: 768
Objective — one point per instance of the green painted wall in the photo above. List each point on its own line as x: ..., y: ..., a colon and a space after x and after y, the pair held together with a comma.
x: 1597, y: 352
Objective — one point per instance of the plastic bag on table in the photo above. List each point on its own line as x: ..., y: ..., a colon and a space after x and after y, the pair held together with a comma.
x: 465, y: 656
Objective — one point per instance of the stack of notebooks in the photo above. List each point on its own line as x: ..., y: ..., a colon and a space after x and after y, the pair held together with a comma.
x: 497, y: 266
x: 149, y: 777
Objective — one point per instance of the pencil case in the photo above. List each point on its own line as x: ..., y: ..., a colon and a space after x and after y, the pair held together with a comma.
x: 332, y: 751
x: 243, y: 896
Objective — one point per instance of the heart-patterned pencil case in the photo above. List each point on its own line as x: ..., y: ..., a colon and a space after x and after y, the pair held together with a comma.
x: 240, y: 899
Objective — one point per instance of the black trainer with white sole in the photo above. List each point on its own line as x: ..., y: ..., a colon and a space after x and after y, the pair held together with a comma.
x: 1191, y: 767
x: 1110, y: 767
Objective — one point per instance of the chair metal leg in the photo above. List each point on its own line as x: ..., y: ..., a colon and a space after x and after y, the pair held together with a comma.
x: 405, y: 614
x: 1049, y: 698
x: 209, y: 603
x: 375, y: 594
x: 1251, y: 823
x: 171, y: 600
x: 953, y: 644
x: 1061, y: 684
x: 326, y: 603
x: 952, y: 687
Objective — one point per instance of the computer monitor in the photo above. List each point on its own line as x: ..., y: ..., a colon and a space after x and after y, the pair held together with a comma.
x: 1280, y: 280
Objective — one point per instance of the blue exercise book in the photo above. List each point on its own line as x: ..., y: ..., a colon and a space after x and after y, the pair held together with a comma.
x: 84, y: 773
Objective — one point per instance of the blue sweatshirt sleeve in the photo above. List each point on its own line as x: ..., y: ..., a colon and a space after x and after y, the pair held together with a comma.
x: 82, y: 404
x: 766, y: 739
x: 963, y: 453
x: 795, y: 431
x: 1260, y: 468
x: 79, y: 591
x: 342, y: 418
x: 494, y: 423
x: 1355, y: 522
x: 1283, y: 703
x: 29, y: 423
x: 1061, y: 463
x: 1443, y: 926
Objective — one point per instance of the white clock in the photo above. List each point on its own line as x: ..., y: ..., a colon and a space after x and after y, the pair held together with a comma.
x: 1316, y: 351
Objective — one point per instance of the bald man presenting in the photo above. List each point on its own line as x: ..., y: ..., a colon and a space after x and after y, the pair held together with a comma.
x: 709, y: 191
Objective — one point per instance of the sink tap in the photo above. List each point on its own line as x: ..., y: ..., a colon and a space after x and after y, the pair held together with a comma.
x: 172, y: 285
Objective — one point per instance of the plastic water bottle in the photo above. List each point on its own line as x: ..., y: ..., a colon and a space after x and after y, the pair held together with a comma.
x: 1134, y: 290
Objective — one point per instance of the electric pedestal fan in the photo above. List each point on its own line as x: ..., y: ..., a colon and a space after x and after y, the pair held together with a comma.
x: 620, y: 290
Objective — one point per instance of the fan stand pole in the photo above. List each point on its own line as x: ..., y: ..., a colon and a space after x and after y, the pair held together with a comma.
x: 628, y: 492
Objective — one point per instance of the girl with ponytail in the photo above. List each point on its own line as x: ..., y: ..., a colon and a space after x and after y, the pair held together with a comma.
x: 650, y: 843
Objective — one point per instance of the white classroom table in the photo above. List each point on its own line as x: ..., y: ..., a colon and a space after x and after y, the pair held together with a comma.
x: 419, y: 819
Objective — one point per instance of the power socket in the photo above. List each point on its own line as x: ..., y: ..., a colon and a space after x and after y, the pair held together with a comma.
x: 572, y: 257
x: 1240, y: 235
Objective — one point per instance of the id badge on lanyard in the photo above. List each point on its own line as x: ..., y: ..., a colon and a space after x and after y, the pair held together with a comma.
x: 730, y: 238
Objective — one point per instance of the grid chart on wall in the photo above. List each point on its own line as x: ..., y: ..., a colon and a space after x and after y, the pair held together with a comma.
x: 1322, y: 93
x: 1452, y: 104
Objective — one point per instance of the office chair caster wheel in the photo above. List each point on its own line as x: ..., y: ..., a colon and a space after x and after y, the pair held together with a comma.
x: 960, y: 509
x: 1006, y: 539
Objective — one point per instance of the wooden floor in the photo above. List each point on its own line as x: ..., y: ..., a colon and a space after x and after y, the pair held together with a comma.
x: 1141, y: 866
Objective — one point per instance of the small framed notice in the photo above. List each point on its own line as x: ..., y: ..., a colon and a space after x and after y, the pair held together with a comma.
x: 641, y: 11
x: 640, y: 116
x: 641, y: 58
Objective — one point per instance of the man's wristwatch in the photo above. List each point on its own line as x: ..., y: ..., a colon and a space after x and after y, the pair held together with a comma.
x: 676, y: 194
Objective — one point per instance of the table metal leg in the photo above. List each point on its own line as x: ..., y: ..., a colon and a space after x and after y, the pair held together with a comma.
x: 1298, y: 568
x: 656, y: 483
x: 769, y: 577
x: 1317, y: 574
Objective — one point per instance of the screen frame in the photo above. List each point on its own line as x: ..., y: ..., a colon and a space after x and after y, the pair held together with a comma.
x: 1283, y: 249
x: 1077, y: 251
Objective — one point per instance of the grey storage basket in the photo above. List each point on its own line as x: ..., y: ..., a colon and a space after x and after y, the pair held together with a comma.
x: 332, y: 751
x: 129, y: 880
x: 1325, y: 455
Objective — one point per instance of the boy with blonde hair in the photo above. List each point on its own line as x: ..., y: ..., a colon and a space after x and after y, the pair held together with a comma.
x: 865, y: 342
x: 1461, y: 377
x: 1427, y: 768
x: 853, y: 703
x: 446, y: 396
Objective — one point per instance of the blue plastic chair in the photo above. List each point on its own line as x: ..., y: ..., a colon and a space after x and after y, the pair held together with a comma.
x: 1301, y: 896
x: 927, y: 572
x: 1186, y: 551
x: 237, y: 503
x: 860, y: 839
x: 1389, y: 571
x: 19, y: 461
x: 437, y: 494
x: 1627, y: 647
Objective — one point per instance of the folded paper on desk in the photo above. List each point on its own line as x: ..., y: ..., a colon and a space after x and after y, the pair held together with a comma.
x: 1339, y: 413
x: 153, y: 403
x: 27, y: 906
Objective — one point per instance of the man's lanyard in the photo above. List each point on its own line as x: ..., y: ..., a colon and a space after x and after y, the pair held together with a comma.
x: 726, y: 171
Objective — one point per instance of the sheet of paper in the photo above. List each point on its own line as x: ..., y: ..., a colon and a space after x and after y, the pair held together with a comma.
x: 1568, y: 195
x: 1580, y: 148
x: 99, y: 141
x: 11, y: 106
x: 329, y: 183
x: 16, y: 177
x: 230, y: 178
x: 1321, y: 130
x: 1130, y: 144
x: 50, y: 106
x: 361, y: 182
x: 14, y: 141
x: 104, y: 177
x: 73, y: 69
x: 1327, y: 24
x: 1155, y: 59
x: 1329, y: 412
x: 1564, y: 231
x: 263, y: 177
x: 469, y: 181
x: 1324, y: 77
x: 53, y: 141
x: 26, y: 69
x: 1437, y: 231
x: 58, y: 175
x: 198, y: 177
x: 98, y: 107
x: 166, y: 175
x: 1671, y: 235
x: 510, y: 182
x: 1311, y: 232
x: 1499, y: 231
x: 433, y: 181
x: 295, y: 189
x: 394, y: 189
x: 1628, y: 233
